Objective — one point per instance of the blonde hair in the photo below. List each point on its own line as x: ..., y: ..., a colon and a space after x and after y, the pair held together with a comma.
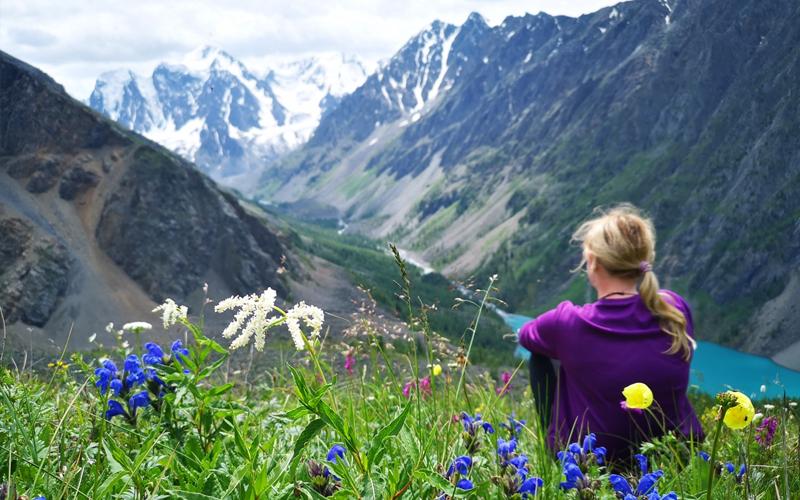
x: 623, y: 241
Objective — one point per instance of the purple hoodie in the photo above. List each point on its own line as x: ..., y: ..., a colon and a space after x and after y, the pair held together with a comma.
x: 603, y: 347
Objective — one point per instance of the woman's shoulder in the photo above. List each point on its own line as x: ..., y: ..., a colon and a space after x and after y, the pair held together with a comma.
x: 674, y: 298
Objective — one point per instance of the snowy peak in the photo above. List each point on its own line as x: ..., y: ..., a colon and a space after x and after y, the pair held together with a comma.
x: 214, y: 110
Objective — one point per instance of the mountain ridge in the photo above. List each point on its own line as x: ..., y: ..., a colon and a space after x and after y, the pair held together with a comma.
x: 684, y: 108
x: 213, y: 110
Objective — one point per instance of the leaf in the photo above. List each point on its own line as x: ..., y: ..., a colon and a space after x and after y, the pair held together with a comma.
x: 208, y: 370
x: 392, y: 429
x: 296, y: 413
x: 311, y: 430
x: 432, y: 478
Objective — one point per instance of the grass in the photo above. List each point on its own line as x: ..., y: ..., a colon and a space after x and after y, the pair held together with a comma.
x: 308, y: 428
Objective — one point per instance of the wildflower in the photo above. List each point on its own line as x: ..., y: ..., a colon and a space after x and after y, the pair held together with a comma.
x: 437, y: 370
x: 253, y: 317
x: 583, y: 455
x: 114, y: 409
x: 58, y: 365
x: 646, y: 485
x: 138, y: 400
x: 471, y: 427
x: 179, y: 352
x: 137, y: 326
x: 765, y: 432
x: 312, y: 316
x: 705, y: 456
x: 322, y: 481
x: 92, y: 337
x: 514, y: 427
x: 506, y: 448
x: 155, y: 355
x: 638, y: 396
x: 460, y: 465
x: 336, y: 450
x: 424, y: 387
x: 505, y: 378
x: 740, y: 414
x: 530, y: 486
x: 104, y: 375
x: 465, y: 484
x: 349, y: 361
x: 171, y: 313
x: 574, y: 478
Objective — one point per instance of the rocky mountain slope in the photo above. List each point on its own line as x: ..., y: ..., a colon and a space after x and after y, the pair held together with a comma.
x: 481, y: 148
x: 99, y: 224
x: 228, y: 119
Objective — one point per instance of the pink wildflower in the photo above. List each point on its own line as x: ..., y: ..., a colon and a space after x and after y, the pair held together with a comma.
x: 424, y: 385
x: 505, y: 378
x: 766, y: 431
x: 349, y: 361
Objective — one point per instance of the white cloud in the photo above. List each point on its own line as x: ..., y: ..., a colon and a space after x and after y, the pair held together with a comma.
x: 74, y: 40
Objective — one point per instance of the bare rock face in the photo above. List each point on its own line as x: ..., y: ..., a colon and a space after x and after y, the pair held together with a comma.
x: 33, y: 273
x: 167, y: 226
x: 75, y: 181
x: 117, y: 221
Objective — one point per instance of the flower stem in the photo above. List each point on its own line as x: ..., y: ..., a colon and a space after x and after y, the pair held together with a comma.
x: 713, y: 460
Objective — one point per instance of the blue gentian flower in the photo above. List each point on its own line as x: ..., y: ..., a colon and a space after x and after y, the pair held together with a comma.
x: 642, y: 462
x: 155, y: 355
x: 132, y: 363
x: 179, y: 351
x: 115, y: 408
x: 730, y: 467
x: 336, y: 450
x: 620, y: 484
x: 116, y: 386
x: 138, y: 400
x: 742, y: 470
x: 520, y: 463
x: 529, y: 486
x: 655, y: 496
x: 574, y: 476
x: 648, y: 482
x: 461, y: 465
x: 465, y: 484
x: 506, y: 448
x: 471, y: 424
x: 104, y: 376
x: 514, y: 427
x: 705, y: 456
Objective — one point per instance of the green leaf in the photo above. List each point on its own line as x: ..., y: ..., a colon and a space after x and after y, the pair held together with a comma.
x: 296, y: 413
x: 311, y: 430
x: 432, y: 478
x: 392, y: 429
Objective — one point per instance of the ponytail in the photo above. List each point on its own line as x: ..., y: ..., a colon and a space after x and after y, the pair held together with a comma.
x: 672, y: 320
x: 623, y: 241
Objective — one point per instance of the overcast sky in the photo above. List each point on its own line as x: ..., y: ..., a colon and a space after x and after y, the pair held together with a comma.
x: 74, y: 41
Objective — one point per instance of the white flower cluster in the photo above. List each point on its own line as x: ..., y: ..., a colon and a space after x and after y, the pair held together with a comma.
x: 312, y: 316
x: 254, y: 311
x: 137, y: 326
x: 171, y: 312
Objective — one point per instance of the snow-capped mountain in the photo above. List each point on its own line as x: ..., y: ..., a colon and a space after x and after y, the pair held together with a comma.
x: 227, y: 118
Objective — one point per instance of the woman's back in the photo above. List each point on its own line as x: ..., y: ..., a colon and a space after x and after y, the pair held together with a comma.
x: 603, y: 347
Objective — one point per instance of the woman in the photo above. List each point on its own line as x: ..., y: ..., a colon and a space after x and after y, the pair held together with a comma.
x: 634, y: 332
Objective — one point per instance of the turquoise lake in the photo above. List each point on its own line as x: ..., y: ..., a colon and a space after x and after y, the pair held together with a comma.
x: 716, y: 368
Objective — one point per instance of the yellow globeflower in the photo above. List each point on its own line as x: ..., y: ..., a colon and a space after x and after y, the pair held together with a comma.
x: 739, y: 416
x: 638, y: 396
x: 437, y: 370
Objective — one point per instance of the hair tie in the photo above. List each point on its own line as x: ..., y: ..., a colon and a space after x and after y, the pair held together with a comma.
x: 645, y: 267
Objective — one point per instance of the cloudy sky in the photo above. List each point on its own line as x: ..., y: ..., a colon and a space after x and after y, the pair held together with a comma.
x: 76, y: 40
